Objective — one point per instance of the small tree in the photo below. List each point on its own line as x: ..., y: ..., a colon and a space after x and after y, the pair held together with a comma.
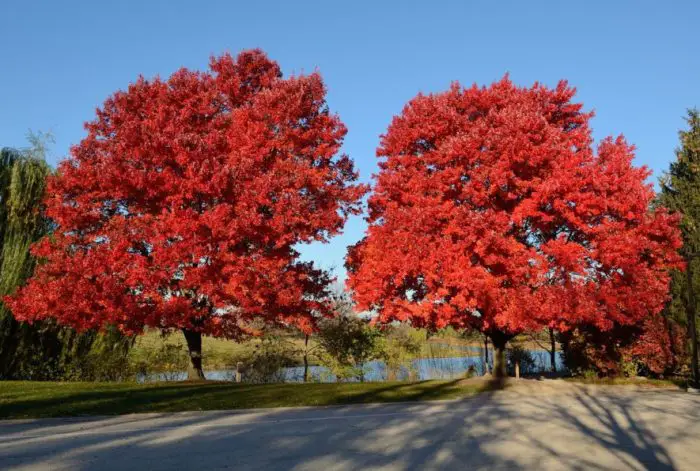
x: 536, y: 337
x: 399, y: 347
x: 347, y: 341
x: 182, y: 207
x: 520, y: 359
x: 492, y: 211
x: 309, y: 350
x: 270, y: 357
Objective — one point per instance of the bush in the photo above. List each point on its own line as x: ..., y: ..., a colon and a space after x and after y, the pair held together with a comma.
x: 653, y: 347
x: 48, y: 352
x: 471, y: 372
x: 589, y: 349
x: 589, y: 374
x: 107, y: 359
x: 660, y: 349
x: 516, y: 354
x: 268, y: 359
x: 398, y: 347
x: 164, y: 361
x: 347, y: 343
x: 629, y: 368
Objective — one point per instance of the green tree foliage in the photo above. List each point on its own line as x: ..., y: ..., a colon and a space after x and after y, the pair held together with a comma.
x: 42, y: 350
x: 22, y: 184
x: 680, y: 192
x: 400, y: 345
x: 347, y: 341
x: 680, y: 186
x: 519, y: 360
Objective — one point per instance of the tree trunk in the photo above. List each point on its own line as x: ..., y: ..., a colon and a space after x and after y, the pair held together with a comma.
x: 194, y: 348
x: 691, y: 325
x: 486, y: 355
x: 553, y: 351
x: 671, y: 341
x: 517, y: 370
x: 499, y: 341
x: 306, y: 358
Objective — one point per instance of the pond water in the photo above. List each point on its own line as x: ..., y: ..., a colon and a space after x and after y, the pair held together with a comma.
x: 419, y: 369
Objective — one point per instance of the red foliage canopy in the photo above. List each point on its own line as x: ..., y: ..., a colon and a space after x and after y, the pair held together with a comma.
x: 492, y: 211
x: 182, y: 206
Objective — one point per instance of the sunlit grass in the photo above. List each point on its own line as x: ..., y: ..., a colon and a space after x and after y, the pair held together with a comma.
x: 622, y: 381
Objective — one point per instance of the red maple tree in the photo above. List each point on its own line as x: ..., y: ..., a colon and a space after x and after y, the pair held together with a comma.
x: 492, y: 211
x: 182, y: 206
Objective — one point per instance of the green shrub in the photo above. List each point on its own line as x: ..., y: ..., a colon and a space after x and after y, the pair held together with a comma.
x: 516, y: 354
x: 347, y: 343
x: 164, y: 360
x: 398, y: 347
x: 589, y: 374
x: 629, y: 367
x: 266, y: 362
x: 471, y: 372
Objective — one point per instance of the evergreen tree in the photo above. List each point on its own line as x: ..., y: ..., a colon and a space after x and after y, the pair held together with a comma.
x: 680, y: 192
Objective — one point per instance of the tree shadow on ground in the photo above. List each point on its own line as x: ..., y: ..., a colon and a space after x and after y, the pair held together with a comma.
x: 584, y: 428
x: 223, y: 396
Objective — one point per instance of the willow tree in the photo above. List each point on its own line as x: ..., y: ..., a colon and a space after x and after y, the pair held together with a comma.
x: 42, y: 350
x: 22, y: 183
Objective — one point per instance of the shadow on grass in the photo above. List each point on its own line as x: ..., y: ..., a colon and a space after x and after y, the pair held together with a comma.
x: 223, y: 396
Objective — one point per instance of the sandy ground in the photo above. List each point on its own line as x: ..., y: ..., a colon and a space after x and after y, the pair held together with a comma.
x: 535, y: 425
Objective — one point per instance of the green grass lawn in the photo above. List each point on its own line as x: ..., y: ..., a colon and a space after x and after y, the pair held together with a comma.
x: 25, y: 399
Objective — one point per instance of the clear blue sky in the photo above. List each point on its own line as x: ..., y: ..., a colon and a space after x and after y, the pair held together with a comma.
x: 636, y: 63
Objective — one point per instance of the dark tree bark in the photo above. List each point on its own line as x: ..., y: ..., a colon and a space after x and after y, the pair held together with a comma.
x: 499, y: 341
x: 306, y: 358
x: 553, y: 351
x: 194, y: 348
x: 671, y: 341
x: 692, y: 332
x: 486, y: 355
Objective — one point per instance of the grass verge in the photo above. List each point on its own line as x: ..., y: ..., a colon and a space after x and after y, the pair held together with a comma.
x: 25, y: 399
x: 673, y: 383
